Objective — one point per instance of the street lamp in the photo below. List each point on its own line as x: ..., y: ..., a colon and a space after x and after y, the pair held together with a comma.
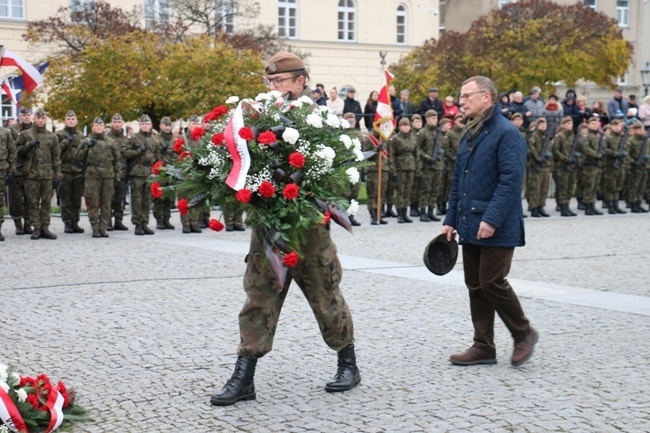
x: 645, y: 77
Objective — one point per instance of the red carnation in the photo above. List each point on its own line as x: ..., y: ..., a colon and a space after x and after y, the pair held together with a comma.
x: 178, y: 144
x: 215, y: 114
x: 326, y: 218
x: 156, y: 167
x: 246, y: 133
x: 244, y: 195
x: 291, y: 259
x: 296, y: 160
x: 216, y: 225
x: 184, y: 155
x: 267, y: 190
x: 64, y: 392
x: 182, y: 206
x: 156, y: 190
x: 218, y: 139
x: 267, y: 137
x: 197, y: 133
x: 290, y: 191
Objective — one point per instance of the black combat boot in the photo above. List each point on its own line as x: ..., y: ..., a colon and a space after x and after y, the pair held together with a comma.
x: 139, y: 231
x: 206, y: 219
x: 634, y: 208
x: 46, y: 233
x: 617, y: 208
x: 347, y: 375
x: 109, y: 227
x: 432, y: 214
x: 535, y: 213
x: 36, y: 233
x: 414, y: 210
x: 594, y: 210
x: 581, y: 205
x: 76, y: 228
x: 96, y: 233
x: 589, y: 209
x: 564, y: 211
x: 610, y: 208
x: 186, y: 228
x: 373, y: 217
x: 400, y: 217
x: 382, y: 211
x: 405, y: 216
x: 168, y: 225
x: 640, y: 207
x: 570, y: 211
x: 103, y: 233
x: 27, y: 228
x: 353, y: 221
x: 542, y: 212
x: 147, y: 230
x: 67, y: 228
x: 19, y: 227
x: 605, y: 204
x: 390, y: 212
x: 160, y: 225
x: 442, y: 208
x: 423, y: 215
x: 239, y: 227
x: 119, y: 226
x: 240, y: 386
x: 195, y: 229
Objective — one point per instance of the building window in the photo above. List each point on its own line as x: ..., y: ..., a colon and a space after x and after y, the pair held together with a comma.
x: 156, y: 12
x: 401, y: 24
x: 622, y: 81
x: 591, y: 4
x: 347, y: 17
x: 502, y: 3
x: 442, y: 13
x: 288, y: 19
x: 225, y: 19
x: 14, y: 9
x: 623, y: 13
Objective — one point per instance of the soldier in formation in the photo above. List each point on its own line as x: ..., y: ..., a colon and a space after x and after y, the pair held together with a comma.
x: 18, y: 206
x: 563, y: 167
x: 431, y: 166
x: 7, y: 166
x: 374, y: 182
x: 591, y: 148
x: 637, y: 173
x: 614, y: 165
x: 72, y: 181
x: 162, y: 207
x: 116, y: 133
x: 538, y: 166
x: 403, y: 152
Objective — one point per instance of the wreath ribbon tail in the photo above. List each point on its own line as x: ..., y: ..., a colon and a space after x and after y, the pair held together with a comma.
x: 276, y: 262
x: 9, y: 414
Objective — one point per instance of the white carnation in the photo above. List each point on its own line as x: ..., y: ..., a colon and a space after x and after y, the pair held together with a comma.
x: 353, y: 175
x: 315, y: 120
x: 328, y: 153
x: 275, y: 94
x: 346, y: 140
x: 356, y: 143
x: 262, y: 97
x: 22, y: 395
x: 345, y: 124
x: 232, y: 100
x: 14, y: 379
x: 290, y: 135
x: 333, y: 120
x: 358, y: 154
x: 354, y: 207
x: 305, y: 100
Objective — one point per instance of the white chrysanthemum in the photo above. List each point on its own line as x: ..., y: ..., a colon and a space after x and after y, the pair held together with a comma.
x: 4, y: 386
x: 333, y: 120
x: 354, y: 207
x: 290, y: 135
x: 22, y: 395
x: 356, y: 143
x: 358, y: 154
x: 353, y: 175
x: 327, y: 153
x: 345, y: 124
x: 232, y: 100
x: 306, y: 100
x: 275, y: 94
x: 346, y: 140
x: 315, y: 120
x: 261, y: 97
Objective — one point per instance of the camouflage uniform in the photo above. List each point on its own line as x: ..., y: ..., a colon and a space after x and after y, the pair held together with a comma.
x: 140, y: 163
x: 42, y: 167
x: 591, y: 170
x: 372, y: 179
x: 18, y: 206
x: 162, y: 206
x: 402, y: 154
x: 613, y: 176
x: 72, y: 182
x: 538, y: 167
x: 190, y: 220
x: 7, y: 166
x: 637, y: 174
x: 431, y: 171
x: 452, y: 140
x: 117, y: 209
x: 103, y: 171
x: 563, y: 174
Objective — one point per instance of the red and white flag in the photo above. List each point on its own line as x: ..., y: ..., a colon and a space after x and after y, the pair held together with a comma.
x: 32, y: 77
x: 384, y: 121
x: 238, y: 149
x: 10, y: 92
x: 55, y: 404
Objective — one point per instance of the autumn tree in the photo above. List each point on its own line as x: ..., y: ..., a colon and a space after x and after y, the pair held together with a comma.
x: 527, y: 43
x: 212, y: 17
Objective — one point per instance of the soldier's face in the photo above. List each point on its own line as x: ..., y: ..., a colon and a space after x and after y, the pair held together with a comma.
x: 446, y: 127
x: 568, y: 126
x: 165, y: 128
x: 518, y: 121
x: 286, y: 83
x: 40, y: 121
x: 639, y: 132
x: 98, y: 128
x: 145, y: 126
x: 405, y: 128
x: 192, y: 125
x: 617, y: 128
x: 593, y: 126
x: 542, y: 126
x: 25, y: 118
x: 432, y: 121
x: 117, y: 125
x: 71, y: 122
x: 417, y: 123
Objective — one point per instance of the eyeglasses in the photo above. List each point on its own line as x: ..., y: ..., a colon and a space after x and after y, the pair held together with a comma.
x: 465, y: 96
x: 277, y: 82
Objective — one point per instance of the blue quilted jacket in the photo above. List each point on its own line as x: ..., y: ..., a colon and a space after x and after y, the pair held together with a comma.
x: 487, y: 185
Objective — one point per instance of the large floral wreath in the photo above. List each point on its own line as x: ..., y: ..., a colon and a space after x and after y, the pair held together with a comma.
x: 287, y: 164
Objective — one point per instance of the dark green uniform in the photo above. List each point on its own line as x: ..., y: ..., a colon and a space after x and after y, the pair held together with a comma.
x: 141, y: 151
x: 190, y: 220
x: 18, y: 206
x: 591, y: 169
x: 373, y: 179
x: 402, y: 153
x: 431, y: 167
x: 162, y: 206
x: 72, y: 183
x: 637, y: 174
x: 538, y: 167
x: 7, y: 166
x: 564, y: 175
x: 117, y: 209
x: 450, y: 143
x: 613, y: 171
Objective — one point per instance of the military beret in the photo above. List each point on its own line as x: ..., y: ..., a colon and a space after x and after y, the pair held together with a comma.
x: 284, y: 62
x: 541, y: 120
x: 459, y: 116
x: 593, y: 119
x: 617, y: 122
x: 70, y: 113
x: 416, y: 116
x: 433, y: 89
x: 443, y: 122
x: 404, y: 121
x: 566, y: 119
x: 25, y: 110
x: 440, y: 255
x: 516, y: 116
x: 431, y: 113
x: 165, y: 121
x: 194, y: 118
x: 39, y: 112
x: 349, y: 115
x: 117, y: 116
x: 636, y: 125
x: 98, y: 120
x: 145, y: 118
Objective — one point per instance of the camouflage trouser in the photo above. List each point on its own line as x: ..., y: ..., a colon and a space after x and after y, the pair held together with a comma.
x: 70, y: 191
x: 564, y: 181
x: 613, y: 179
x: 162, y: 208
x: 353, y: 191
x: 191, y: 218
x: 391, y: 190
x: 39, y: 199
x: 537, y: 187
x: 18, y: 206
x: 99, y: 193
x: 372, y: 178
x: 404, y: 185
x: 232, y: 217
x: 590, y: 182
x: 116, y: 203
x: 318, y: 275
x: 431, y: 183
x: 140, y: 200
x: 580, y: 187
x: 3, y: 173
x: 416, y: 189
x: 635, y: 185
x: 447, y: 178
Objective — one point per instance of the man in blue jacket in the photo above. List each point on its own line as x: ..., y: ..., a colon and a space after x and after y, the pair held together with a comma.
x: 485, y: 211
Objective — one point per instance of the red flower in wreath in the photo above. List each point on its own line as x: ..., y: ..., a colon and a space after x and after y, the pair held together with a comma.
x: 178, y: 145
x: 267, y: 137
x: 246, y: 133
x: 64, y: 392
x: 266, y: 190
x: 326, y: 218
x: 244, y: 195
x: 183, y: 206
x: 156, y: 190
x: 216, y: 225
x: 156, y: 167
x: 184, y: 155
x: 197, y: 133
x: 218, y: 139
x: 291, y: 191
x: 291, y: 259
x: 296, y: 160
x: 215, y: 114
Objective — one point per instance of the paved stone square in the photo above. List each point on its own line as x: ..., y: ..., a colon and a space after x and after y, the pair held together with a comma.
x: 145, y: 329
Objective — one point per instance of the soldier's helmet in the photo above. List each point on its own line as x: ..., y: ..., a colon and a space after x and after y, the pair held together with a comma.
x: 440, y: 255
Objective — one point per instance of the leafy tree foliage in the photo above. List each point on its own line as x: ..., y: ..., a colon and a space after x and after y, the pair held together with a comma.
x: 524, y: 44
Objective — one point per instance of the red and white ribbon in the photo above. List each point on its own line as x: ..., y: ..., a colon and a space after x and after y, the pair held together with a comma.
x: 238, y: 149
x: 9, y: 414
x: 55, y: 403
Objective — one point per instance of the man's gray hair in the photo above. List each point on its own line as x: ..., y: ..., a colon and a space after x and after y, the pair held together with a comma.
x: 484, y: 83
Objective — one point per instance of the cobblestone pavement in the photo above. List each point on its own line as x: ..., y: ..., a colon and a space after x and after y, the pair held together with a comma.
x: 145, y: 329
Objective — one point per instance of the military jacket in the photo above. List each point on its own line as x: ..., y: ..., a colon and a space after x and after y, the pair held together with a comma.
x: 454, y: 136
x: 102, y: 160
x: 15, y: 131
x: 44, y: 160
x: 367, y: 146
x: 69, y: 139
x: 535, y: 146
x: 612, y: 143
x: 17, y: 128
x: 7, y: 151
x: 426, y: 147
x: 402, y: 151
x: 562, y: 144
x: 120, y: 140
x: 636, y: 144
x: 166, y: 140
x: 141, y: 162
x: 589, y: 148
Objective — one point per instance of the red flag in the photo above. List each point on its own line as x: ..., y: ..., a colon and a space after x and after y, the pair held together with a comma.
x: 32, y: 77
x: 10, y: 92
x: 384, y: 121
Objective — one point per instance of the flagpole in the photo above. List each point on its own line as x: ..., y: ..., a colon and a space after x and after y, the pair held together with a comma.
x: 382, y: 55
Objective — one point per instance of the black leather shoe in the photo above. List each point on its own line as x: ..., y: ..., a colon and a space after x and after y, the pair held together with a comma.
x: 347, y: 375
x: 240, y: 386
